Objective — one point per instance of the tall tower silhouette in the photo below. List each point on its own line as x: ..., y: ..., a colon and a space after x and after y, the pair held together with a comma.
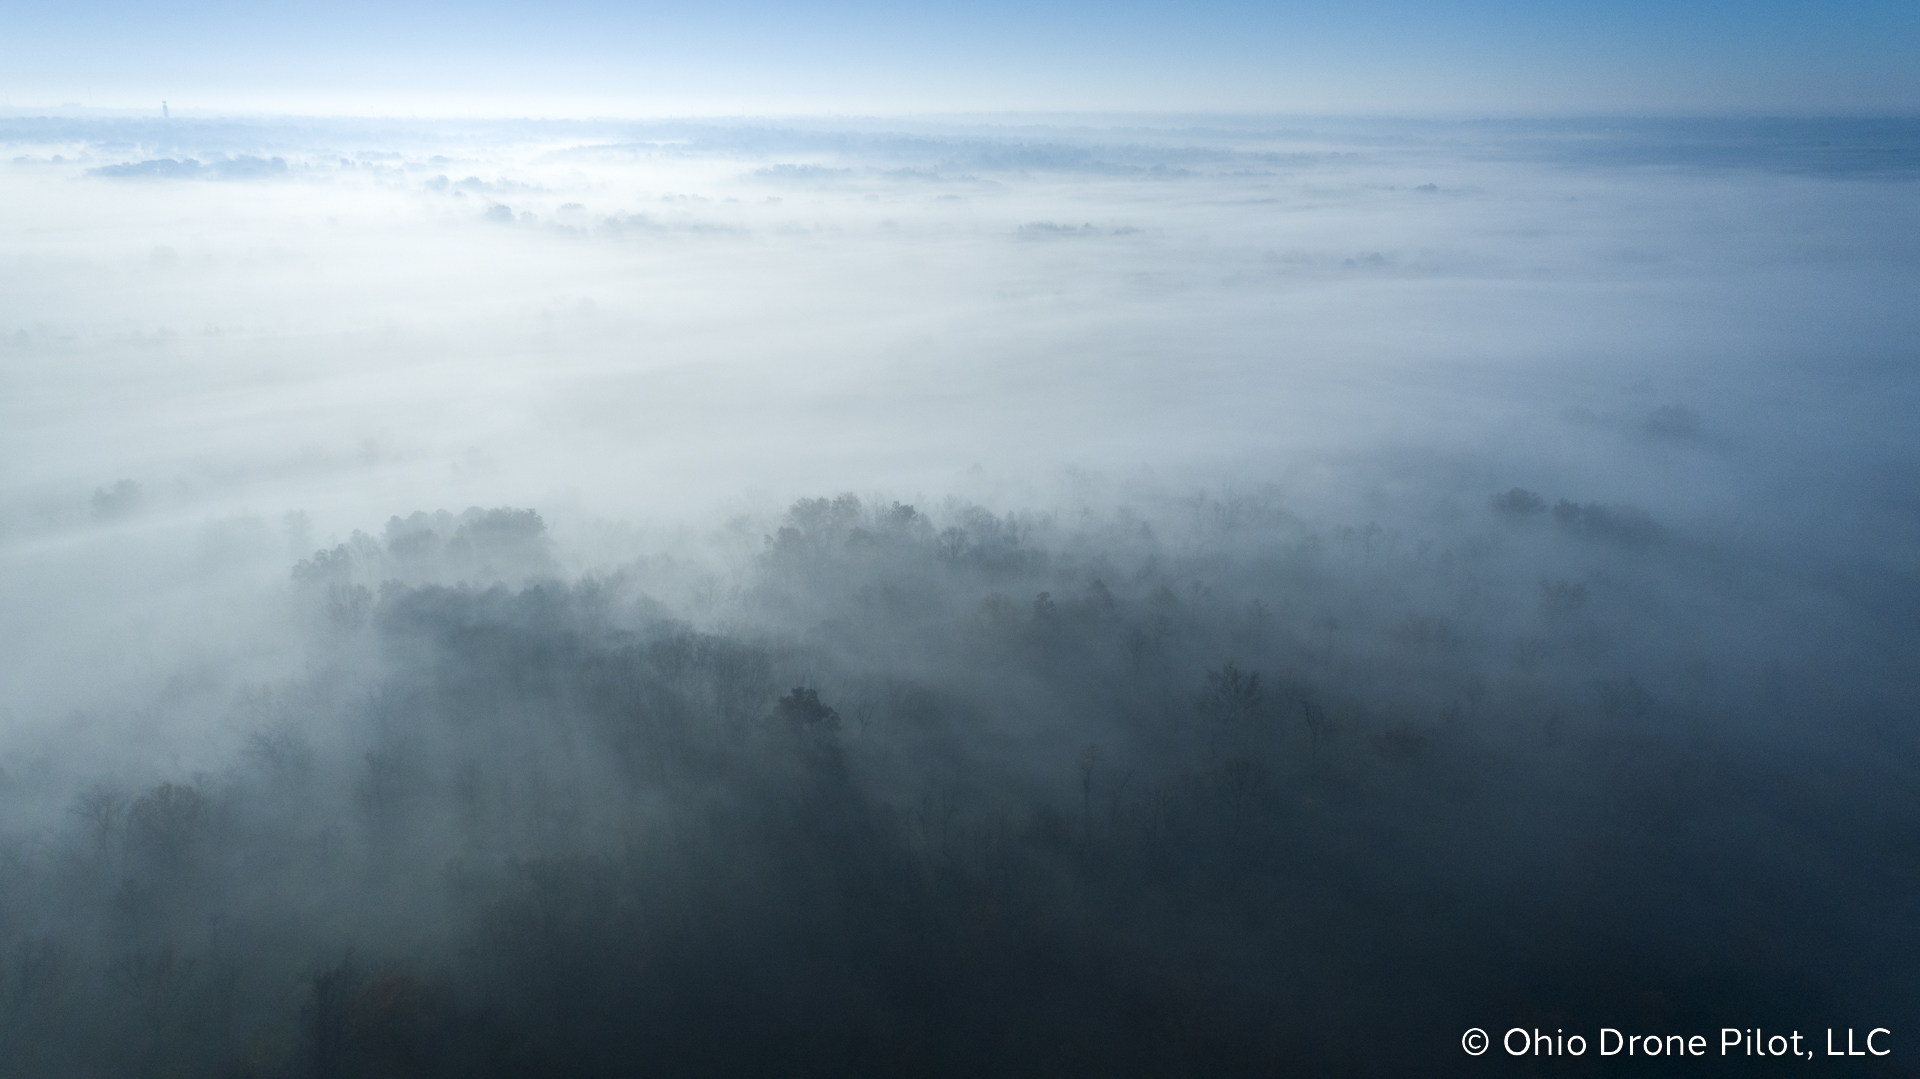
x: 164, y: 114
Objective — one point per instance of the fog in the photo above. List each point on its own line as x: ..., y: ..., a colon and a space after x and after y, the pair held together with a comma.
x: 1212, y: 595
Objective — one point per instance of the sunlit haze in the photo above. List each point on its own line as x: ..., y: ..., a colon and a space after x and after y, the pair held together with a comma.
x: 855, y: 540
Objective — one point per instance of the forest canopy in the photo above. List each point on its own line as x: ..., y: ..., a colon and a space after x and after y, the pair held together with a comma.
x: 956, y: 792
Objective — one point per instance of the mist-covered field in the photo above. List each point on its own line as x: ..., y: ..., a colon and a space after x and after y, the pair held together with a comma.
x: 981, y: 596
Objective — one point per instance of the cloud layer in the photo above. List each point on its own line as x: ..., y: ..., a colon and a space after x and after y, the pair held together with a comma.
x: 935, y: 493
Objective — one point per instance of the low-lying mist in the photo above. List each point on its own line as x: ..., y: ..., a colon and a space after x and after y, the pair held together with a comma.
x: 1227, y: 596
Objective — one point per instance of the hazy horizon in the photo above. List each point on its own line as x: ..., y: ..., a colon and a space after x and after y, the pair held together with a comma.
x: 589, y: 58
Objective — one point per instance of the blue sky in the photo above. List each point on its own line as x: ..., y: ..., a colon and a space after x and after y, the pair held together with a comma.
x: 586, y: 57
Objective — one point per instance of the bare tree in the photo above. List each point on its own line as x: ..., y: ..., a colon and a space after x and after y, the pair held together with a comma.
x: 1089, y: 760
x: 1318, y: 726
x: 101, y: 808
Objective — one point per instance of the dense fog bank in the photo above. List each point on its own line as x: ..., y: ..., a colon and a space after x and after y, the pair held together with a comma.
x: 953, y: 792
x: 1308, y: 588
